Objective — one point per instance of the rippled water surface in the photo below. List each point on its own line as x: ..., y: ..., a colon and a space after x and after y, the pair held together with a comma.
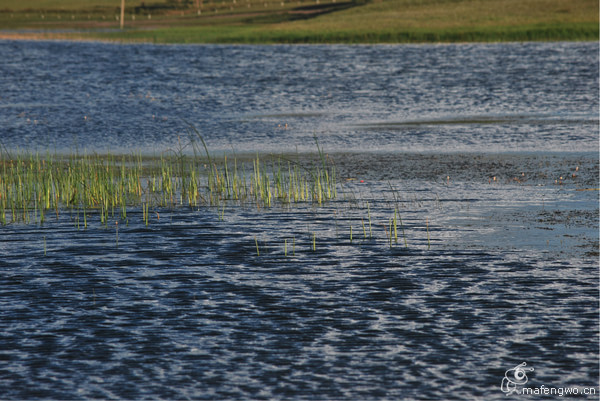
x: 487, y: 153
x: 403, y: 98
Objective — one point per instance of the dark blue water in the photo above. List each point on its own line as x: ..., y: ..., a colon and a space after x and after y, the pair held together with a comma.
x: 488, y: 153
x: 401, y: 98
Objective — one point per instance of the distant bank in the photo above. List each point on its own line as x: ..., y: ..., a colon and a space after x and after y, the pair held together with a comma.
x: 302, y: 21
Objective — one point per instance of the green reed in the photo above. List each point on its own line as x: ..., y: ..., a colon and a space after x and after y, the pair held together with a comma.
x: 31, y: 185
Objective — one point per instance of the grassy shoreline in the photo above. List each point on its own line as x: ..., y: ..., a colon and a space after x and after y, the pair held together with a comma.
x: 303, y: 21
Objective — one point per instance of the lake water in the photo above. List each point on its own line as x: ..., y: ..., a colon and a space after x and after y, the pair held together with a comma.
x: 499, y: 97
x: 489, y: 153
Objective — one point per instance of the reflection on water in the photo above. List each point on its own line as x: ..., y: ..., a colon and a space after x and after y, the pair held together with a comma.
x: 493, y: 263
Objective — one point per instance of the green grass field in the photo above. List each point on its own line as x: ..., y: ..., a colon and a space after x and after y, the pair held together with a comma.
x: 303, y: 21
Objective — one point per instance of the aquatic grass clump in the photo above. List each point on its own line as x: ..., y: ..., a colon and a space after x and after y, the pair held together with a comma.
x: 31, y: 185
x: 282, y: 179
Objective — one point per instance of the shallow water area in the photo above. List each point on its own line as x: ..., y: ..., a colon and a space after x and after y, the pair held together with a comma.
x: 462, y: 242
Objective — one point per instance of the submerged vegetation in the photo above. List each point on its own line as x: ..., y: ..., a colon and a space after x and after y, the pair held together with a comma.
x: 303, y: 21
